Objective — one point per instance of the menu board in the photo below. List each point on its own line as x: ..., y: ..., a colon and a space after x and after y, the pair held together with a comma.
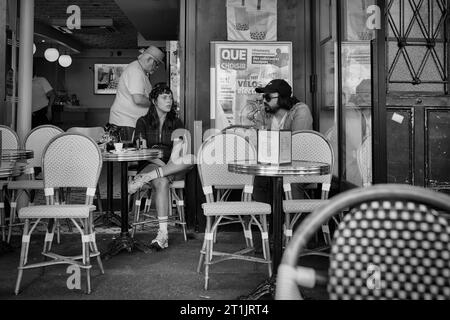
x: 237, y: 68
x: 274, y: 146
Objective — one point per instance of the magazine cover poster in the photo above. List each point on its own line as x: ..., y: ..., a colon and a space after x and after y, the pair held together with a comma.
x: 238, y: 68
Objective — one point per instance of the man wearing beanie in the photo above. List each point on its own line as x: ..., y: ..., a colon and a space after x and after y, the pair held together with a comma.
x: 132, y: 97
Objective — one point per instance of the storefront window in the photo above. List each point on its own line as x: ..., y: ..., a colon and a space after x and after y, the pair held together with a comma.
x: 356, y: 92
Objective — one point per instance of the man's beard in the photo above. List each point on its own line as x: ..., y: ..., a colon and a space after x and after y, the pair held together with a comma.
x: 270, y: 110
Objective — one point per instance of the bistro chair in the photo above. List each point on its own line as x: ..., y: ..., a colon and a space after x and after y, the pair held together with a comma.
x: 393, y: 244
x: 10, y: 140
x: 310, y: 146
x: 249, y: 133
x: 364, y: 160
x: 213, y: 156
x: 70, y: 161
x: 36, y: 140
x: 95, y: 133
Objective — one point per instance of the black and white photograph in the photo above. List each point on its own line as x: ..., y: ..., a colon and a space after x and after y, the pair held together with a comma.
x: 224, y: 158
x: 106, y: 77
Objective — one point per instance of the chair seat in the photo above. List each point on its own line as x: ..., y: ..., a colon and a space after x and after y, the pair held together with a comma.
x: 26, y: 184
x: 235, y: 208
x: 303, y: 205
x: 179, y: 184
x: 56, y: 211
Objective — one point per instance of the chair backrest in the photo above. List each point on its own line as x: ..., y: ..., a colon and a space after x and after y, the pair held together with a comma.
x: 10, y: 139
x: 71, y: 160
x: 364, y: 159
x: 393, y: 244
x: 248, y: 132
x: 213, y: 158
x: 310, y: 145
x: 37, y: 139
x: 95, y: 133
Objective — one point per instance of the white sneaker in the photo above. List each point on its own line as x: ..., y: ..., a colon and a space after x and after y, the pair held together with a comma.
x: 137, y: 183
x: 161, y: 241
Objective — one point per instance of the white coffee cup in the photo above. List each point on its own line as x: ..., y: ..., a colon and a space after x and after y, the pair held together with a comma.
x: 118, y: 146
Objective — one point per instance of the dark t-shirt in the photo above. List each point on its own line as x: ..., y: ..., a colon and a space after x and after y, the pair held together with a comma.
x: 155, y: 138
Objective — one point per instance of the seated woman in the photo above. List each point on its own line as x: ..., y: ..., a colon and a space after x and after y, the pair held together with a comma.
x: 157, y: 127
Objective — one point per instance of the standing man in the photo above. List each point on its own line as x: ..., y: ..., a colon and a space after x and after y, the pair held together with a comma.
x: 132, y: 98
x: 43, y: 97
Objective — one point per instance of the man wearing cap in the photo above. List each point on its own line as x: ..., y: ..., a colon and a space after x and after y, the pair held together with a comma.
x: 285, y: 112
x: 132, y: 97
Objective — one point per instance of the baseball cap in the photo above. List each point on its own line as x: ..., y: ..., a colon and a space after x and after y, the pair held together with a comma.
x: 154, y: 52
x: 277, y: 85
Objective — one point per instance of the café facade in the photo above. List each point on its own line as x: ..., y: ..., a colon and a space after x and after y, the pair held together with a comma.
x: 375, y: 74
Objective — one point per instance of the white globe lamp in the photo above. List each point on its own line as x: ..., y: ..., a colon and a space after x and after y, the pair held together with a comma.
x: 51, y: 54
x: 65, y: 60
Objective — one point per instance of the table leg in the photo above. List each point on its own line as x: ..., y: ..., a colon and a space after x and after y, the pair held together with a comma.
x: 124, y: 241
x: 109, y: 218
x: 267, y: 287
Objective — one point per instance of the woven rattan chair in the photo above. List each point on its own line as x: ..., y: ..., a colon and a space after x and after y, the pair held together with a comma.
x: 310, y: 146
x: 393, y: 244
x: 69, y: 160
x: 95, y: 133
x: 36, y: 140
x: 10, y: 140
x: 213, y: 156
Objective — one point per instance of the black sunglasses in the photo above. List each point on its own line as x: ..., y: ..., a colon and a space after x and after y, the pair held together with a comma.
x: 269, y: 98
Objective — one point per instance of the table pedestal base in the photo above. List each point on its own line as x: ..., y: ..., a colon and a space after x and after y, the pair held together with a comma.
x: 108, y: 219
x: 267, y: 287
x: 124, y: 242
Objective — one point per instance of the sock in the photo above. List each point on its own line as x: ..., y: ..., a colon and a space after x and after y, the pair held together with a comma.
x: 163, y: 224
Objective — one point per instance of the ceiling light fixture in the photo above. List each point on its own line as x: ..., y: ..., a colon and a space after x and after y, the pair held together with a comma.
x: 65, y: 60
x: 51, y: 54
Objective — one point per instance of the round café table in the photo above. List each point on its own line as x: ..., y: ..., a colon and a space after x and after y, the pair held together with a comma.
x: 276, y: 173
x: 124, y: 241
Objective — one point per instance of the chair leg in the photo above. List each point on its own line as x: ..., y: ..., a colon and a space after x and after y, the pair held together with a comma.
x: 180, y: 209
x: 202, y: 256
x: 137, y: 208
x: 12, y: 215
x: 326, y: 233
x: 23, y: 255
x: 265, y: 243
x: 94, y: 243
x: 2, y: 216
x: 86, y: 255
x: 287, y: 229
x: 208, y: 251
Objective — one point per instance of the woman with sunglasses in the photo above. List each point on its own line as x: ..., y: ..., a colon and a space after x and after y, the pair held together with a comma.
x: 284, y: 112
x: 157, y: 127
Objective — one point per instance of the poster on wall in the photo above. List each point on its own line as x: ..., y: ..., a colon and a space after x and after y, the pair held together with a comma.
x: 252, y: 20
x: 106, y: 77
x: 237, y: 69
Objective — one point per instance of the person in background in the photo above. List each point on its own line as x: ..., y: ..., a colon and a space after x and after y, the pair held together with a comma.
x: 43, y: 97
x: 157, y: 127
x: 131, y: 101
x: 284, y: 112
